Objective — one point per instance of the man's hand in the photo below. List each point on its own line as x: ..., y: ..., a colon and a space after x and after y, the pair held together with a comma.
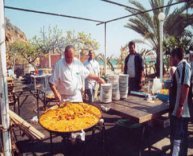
x: 58, y: 96
x: 96, y: 78
x: 179, y: 111
x: 142, y: 79
x: 100, y: 80
x: 55, y: 91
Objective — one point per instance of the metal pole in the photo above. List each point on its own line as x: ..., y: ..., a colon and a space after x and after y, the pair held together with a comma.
x: 3, y: 86
x: 52, y: 14
x: 49, y: 60
x: 105, y: 59
x: 161, y: 49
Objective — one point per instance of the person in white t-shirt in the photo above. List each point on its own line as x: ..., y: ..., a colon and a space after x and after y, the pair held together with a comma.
x: 66, y: 80
x: 134, y: 67
x: 93, y: 66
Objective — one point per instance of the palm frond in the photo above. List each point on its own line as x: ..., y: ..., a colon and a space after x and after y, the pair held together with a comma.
x: 167, y: 10
x: 140, y: 41
x: 155, y: 4
x: 147, y: 24
x: 137, y: 5
x: 145, y: 16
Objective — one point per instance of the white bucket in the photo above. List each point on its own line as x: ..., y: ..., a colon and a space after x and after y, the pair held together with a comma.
x: 123, y: 89
x: 114, y: 80
x: 123, y: 85
x: 106, y: 93
x: 116, y: 96
x: 123, y: 78
x: 123, y: 95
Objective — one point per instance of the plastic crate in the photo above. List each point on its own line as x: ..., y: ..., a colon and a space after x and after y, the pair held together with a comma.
x: 163, y: 97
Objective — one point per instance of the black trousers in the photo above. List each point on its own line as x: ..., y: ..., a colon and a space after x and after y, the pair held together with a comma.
x: 134, y: 84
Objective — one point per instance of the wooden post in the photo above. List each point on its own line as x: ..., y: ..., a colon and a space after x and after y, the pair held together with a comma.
x: 4, y: 104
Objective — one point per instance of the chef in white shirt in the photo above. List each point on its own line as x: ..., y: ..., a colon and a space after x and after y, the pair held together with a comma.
x: 93, y: 66
x: 66, y: 80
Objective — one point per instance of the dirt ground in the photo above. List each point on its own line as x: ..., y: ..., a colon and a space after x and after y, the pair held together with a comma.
x: 116, y: 141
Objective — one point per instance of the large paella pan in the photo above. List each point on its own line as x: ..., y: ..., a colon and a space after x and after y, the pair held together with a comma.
x: 70, y: 117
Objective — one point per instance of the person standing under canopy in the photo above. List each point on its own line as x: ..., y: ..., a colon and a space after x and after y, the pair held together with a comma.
x: 134, y: 67
x: 66, y: 80
x: 179, y: 108
x: 93, y: 67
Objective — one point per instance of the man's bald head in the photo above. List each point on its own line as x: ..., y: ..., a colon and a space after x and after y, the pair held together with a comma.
x: 69, y: 54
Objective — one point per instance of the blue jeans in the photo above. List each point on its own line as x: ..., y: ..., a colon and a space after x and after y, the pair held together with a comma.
x: 90, y: 93
x: 179, y: 131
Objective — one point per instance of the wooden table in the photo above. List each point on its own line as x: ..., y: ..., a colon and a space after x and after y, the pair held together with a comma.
x: 35, y: 92
x: 139, y: 110
x: 43, y: 77
x: 11, y: 93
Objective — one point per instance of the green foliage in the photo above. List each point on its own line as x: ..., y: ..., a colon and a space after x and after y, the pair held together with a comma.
x: 25, y: 49
x: 81, y: 41
x: 185, y: 41
x: 55, y: 40
x: 147, y: 24
x: 52, y: 40
x: 101, y: 58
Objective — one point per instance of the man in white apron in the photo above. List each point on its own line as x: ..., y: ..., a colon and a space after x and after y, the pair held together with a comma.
x: 66, y: 80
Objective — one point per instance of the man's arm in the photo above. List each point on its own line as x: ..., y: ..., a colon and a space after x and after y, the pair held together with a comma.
x: 96, y: 78
x: 55, y: 91
x: 183, y: 96
x: 86, y: 74
x: 98, y: 66
x: 185, y: 78
x: 142, y: 76
x: 142, y: 69
x: 125, y: 65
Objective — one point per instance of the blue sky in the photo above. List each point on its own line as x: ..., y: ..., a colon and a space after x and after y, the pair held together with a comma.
x: 117, y: 34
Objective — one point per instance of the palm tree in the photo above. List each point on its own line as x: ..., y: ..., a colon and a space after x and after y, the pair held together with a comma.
x: 147, y: 24
x: 101, y: 57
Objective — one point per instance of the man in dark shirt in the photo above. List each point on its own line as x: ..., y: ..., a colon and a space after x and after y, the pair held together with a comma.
x: 134, y: 67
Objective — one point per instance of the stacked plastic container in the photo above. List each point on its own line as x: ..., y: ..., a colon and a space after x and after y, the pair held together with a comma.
x: 114, y: 80
x: 106, y: 93
x: 123, y: 85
